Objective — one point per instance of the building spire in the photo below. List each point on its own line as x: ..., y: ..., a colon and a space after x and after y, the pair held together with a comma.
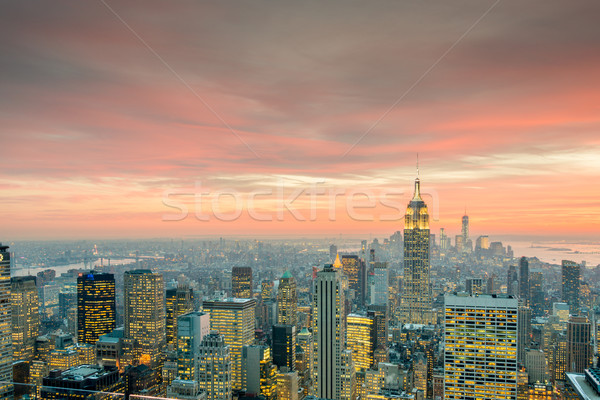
x: 417, y: 165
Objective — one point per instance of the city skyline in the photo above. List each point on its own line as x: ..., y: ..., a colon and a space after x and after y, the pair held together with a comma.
x: 498, y: 99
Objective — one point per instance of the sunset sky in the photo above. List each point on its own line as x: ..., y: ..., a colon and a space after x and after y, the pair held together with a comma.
x: 109, y: 109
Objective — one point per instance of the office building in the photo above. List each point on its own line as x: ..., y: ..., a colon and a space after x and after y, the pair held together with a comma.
x: 284, y: 346
x: 305, y: 341
x: 287, y: 300
x: 328, y: 332
x: 234, y: 319
x: 144, y: 317
x: 191, y: 329
x: 25, y: 317
x: 524, y: 280
x: 96, y: 307
x: 354, y: 269
x: 480, y: 347
x: 78, y: 383
x: 214, y: 367
x: 416, y: 287
x: 475, y: 286
x: 179, y: 301
x: 241, y: 282
x: 347, y: 372
x: 570, y: 284
x: 360, y: 340
x: 512, y: 281
x: 259, y: 374
x: 580, y: 350
x: 380, y: 289
x: 287, y: 385
x: 6, y: 376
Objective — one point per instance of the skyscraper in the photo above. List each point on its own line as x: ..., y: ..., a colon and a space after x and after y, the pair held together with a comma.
x: 191, y: 329
x: 284, y: 346
x: 328, y: 331
x: 465, y: 229
x: 179, y: 301
x: 259, y: 374
x: 570, y: 284
x: 480, y: 347
x: 524, y: 280
x: 144, y: 317
x: 512, y: 280
x: 580, y: 351
x: 380, y: 291
x: 354, y: 268
x: 416, y: 286
x: 214, y: 367
x: 25, y: 317
x: 360, y: 340
x: 241, y: 282
x: 6, y: 376
x: 234, y: 319
x: 96, y: 309
x: 305, y: 341
x: 287, y: 300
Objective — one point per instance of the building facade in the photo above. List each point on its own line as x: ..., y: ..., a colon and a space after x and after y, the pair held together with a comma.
x: 96, y: 307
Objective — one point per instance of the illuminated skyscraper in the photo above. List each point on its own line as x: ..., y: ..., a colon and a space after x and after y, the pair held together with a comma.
x: 234, y: 319
x: 284, y: 346
x: 6, y: 376
x: 305, y: 341
x: 380, y: 290
x: 354, y: 268
x: 329, y: 332
x: 241, y: 282
x: 287, y: 300
x: 287, y: 385
x: 416, y: 286
x: 580, y: 351
x: 360, y: 340
x: 25, y: 317
x: 570, y: 284
x: 144, y: 317
x: 214, y: 367
x: 191, y: 329
x: 480, y: 347
x: 179, y: 301
x: 96, y: 309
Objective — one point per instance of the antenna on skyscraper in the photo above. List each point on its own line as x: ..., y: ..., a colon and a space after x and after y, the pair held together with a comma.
x: 417, y: 165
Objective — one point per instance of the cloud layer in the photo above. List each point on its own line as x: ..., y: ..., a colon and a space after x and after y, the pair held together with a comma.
x: 95, y: 127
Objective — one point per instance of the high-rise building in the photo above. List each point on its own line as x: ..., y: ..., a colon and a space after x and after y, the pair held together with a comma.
x: 512, y: 281
x: 214, y: 367
x: 360, y: 340
x: 25, y: 317
x: 284, y: 346
x: 144, y: 317
x: 347, y: 373
x: 480, y: 347
x: 179, y: 301
x: 465, y: 229
x: 287, y: 385
x: 380, y: 291
x: 524, y: 337
x: 329, y: 332
x: 241, y: 282
x: 580, y: 350
x: 524, y: 280
x: 570, y: 284
x: 234, y: 319
x: 96, y: 307
x: 6, y: 376
x: 191, y: 329
x: 354, y: 268
x: 259, y: 374
x: 333, y: 250
x: 305, y: 341
x: 536, y: 293
x: 416, y: 286
x: 475, y: 286
x: 287, y: 300
x: 379, y: 314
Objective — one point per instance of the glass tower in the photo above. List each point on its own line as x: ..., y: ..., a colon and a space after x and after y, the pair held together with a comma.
x: 95, y: 306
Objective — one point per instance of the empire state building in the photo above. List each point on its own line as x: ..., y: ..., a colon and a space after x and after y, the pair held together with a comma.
x: 416, y: 286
